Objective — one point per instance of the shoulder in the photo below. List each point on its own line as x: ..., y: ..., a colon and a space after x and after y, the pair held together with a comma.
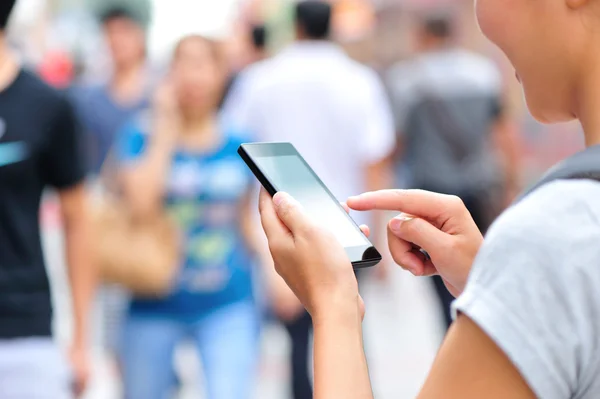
x: 233, y: 140
x: 551, y: 210
x: 45, y: 95
x: 402, y: 76
x: 256, y: 77
x: 554, y: 230
x: 132, y: 138
x: 535, y: 282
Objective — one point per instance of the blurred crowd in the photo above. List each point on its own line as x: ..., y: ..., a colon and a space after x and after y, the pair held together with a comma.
x: 156, y: 142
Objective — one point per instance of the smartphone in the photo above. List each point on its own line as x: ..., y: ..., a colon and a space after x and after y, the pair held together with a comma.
x: 279, y: 167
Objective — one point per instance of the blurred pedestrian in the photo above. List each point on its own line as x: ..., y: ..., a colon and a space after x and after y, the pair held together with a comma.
x: 257, y: 44
x: 104, y: 108
x: 40, y: 147
x: 452, y: 125
x: 336, y: 113
x: 179, y: 156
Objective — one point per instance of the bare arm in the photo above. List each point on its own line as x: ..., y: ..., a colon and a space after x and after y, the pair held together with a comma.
x: 81, y: 270
x: 340, y: 364
x: 469, y: 365
x: 144, y: 181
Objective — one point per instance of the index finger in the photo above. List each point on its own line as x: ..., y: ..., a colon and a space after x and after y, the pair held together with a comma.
x: 272, y: 226
x: 420, y: 203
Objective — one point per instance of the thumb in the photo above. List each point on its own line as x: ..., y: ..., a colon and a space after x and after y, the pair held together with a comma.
x: 290, y: 212
x: 419, y: 232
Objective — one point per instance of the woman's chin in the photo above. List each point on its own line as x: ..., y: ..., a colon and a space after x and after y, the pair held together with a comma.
x: 548, y: 118
x: 545, y: 114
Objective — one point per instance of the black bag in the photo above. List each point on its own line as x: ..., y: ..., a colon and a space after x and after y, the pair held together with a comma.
x: 583, y: 165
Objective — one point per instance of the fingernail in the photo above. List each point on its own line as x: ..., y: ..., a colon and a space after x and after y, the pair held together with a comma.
x: 396, y: 223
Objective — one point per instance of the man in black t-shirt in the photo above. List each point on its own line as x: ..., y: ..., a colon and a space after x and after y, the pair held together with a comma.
x: 39, y: 147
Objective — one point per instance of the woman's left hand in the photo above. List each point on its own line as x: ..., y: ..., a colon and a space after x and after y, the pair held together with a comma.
x: 310, y: 259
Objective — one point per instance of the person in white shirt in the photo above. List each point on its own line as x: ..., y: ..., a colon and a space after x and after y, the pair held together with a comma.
x: 334, y: 111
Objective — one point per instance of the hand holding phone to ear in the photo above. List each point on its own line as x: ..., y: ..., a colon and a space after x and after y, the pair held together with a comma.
x: 437, y: 223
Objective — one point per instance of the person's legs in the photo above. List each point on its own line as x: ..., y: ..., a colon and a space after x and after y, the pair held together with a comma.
x: 33, y: 368
x: 299, y: 332
x: 147, y: 357
x: 229, y: 348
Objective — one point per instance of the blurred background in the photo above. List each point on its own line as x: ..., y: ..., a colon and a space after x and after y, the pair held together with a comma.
x: 64, y: 41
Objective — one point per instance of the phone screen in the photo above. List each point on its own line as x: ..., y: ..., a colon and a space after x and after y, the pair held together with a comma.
x: 291, y: 174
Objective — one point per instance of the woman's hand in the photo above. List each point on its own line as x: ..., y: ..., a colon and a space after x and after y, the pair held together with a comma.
x: 310, y: 260
x: 437, y: 223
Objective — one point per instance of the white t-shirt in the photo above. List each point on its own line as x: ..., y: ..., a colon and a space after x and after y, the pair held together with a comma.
x: 535, y: 289
x: 331, y: 108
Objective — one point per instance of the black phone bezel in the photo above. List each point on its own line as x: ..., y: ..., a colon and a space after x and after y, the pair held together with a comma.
x: 361, y: 256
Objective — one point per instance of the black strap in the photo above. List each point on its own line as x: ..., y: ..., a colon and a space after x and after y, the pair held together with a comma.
x: 583, y: 165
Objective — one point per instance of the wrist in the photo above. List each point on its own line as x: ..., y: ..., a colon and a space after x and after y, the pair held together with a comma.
x: 338, y: 309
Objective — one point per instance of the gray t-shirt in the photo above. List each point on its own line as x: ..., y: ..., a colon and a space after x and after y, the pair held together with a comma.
x: 444, y: 97
x: 535, y: 289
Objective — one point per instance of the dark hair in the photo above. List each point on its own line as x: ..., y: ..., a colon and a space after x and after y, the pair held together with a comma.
x: 118, y: 12
x: 314, y: 18
x: 440, y: 26
x: 6, y: 7
x: 259, y: 36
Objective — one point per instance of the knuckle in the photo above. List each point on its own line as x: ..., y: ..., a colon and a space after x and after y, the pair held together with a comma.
x: 455, y: 202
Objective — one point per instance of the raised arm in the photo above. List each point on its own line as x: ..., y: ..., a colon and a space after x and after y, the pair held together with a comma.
x: 143, y: 179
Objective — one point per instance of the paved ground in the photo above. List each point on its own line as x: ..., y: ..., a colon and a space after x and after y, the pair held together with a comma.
x: 402, y: 332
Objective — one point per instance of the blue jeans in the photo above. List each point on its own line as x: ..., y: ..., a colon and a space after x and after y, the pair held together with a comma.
x: 227, y: 341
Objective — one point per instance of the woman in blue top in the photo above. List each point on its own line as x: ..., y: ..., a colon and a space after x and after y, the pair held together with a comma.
x: 184, y: 161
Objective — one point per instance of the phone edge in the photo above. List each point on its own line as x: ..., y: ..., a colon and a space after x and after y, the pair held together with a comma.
x: 256, y: 171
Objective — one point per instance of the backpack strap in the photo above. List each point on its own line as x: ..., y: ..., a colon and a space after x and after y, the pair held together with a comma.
x: 583, y: 165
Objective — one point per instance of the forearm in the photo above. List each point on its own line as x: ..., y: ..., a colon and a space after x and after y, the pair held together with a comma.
x: 144, y: 182
x: 82, y: 276
x: 340, y: 364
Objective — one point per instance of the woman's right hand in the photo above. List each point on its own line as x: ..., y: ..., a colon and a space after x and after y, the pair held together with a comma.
x: 437, y: 223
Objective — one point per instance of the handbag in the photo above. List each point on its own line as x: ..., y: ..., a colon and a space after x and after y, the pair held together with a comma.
x: 139, y: 254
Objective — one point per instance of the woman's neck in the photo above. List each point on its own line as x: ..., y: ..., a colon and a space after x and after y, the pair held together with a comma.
x: 588, y: 103
x: 128, y: 83
x: 200, y: 133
